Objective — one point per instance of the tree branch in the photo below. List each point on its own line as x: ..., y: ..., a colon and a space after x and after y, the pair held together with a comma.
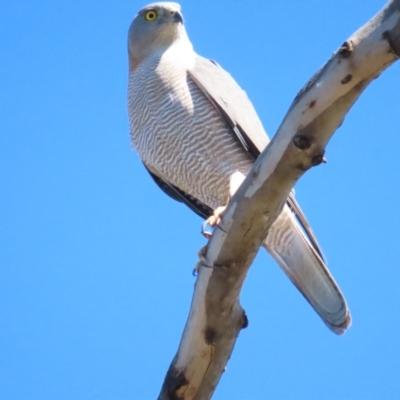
x: 216, y: 316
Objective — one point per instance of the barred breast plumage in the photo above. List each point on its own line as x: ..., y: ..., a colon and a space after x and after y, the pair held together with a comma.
x: 179, y: 134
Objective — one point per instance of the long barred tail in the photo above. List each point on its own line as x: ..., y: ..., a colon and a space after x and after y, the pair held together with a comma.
x: 289, y: 246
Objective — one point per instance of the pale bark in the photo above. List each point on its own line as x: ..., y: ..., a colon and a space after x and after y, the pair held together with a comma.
x: 216, y: 316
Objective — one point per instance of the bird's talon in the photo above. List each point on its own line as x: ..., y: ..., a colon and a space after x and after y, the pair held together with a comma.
x: 212, y: 221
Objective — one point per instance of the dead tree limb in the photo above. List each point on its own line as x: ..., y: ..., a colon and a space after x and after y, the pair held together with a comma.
x: 216, y: 316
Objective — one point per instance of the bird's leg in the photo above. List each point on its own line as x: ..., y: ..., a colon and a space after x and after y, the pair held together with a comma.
x: 212, y: 221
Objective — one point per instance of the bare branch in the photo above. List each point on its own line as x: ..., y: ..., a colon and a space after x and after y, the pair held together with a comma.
x: 216, y: 316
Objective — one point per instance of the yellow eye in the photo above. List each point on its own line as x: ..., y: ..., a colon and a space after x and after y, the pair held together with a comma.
x: 150, y: 15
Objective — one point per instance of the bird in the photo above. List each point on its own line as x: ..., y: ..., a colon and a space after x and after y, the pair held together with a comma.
x: 198, y: 135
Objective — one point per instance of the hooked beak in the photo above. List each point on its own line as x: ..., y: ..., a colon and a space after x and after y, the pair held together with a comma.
x: 177, y: 17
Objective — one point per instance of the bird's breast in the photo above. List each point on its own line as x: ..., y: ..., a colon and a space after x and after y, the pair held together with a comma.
x: 180, y: 135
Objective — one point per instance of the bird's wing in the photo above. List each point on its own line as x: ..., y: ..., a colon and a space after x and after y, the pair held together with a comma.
x: 232, y: 103
x: 177, y: 194
x: 301, y: 218
x: 239, y: 115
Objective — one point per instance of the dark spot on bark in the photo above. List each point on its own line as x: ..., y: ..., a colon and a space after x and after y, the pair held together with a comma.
x: 385, y: 35
x: 346, y: 79
x: 210, y: 335
x: 245, y: 323
x: 214, y: 62
x: 173, y: 382
x: 346, y: 49
x: 302, y: 142
x: 317, y: 159
x: 393, y: 48
x: 256, y: 172
x: 312, y: 104
x: 302, y: 167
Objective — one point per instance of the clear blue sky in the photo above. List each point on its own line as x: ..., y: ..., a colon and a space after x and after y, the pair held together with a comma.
x: 95, y: 261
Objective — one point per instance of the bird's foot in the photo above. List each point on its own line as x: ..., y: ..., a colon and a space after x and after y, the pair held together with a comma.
x: 212, y: 221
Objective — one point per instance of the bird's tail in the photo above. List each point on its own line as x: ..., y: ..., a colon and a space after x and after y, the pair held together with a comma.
x: 300, y: 261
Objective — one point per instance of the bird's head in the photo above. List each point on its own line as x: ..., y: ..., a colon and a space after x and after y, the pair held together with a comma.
x: 155, y: 28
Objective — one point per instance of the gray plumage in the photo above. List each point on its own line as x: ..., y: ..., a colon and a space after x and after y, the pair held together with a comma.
x: 198, y: 134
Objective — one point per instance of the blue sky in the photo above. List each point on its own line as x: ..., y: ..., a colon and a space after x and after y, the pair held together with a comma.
x: 95, y: 261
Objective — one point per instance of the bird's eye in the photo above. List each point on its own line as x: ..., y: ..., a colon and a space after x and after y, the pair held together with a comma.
x: 150, y: 15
